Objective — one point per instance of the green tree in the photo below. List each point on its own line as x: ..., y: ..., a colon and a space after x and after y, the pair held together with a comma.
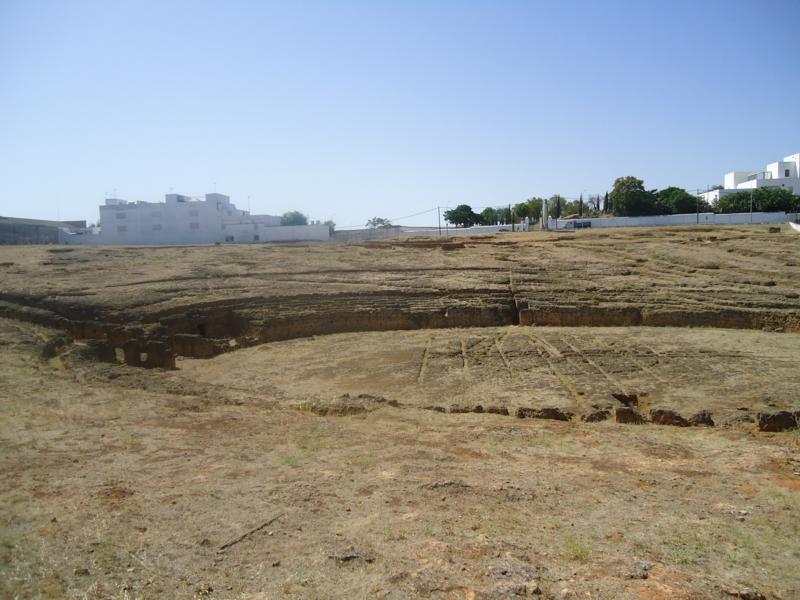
x: 556, y: 205
x: 733, y: 203
x: 488, y: 216
x: 763, y: 200
x: 521, y: 210
x: 630, y: 199
x: 776, y: 200
x: 569, y: 209
x: 535, y: 208
x: 504, y: 215
x: 606, y: 206
x: 677, y: 201
x: 294, y: 217
x: 462, y: 215
x: 376, y: 222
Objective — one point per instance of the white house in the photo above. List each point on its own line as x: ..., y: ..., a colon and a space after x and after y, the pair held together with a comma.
x: 783, y: 173
x: 186, y: 220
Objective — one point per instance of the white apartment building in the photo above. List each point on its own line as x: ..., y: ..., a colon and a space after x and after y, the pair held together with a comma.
x: 186, y: 220
x: 783, y: 173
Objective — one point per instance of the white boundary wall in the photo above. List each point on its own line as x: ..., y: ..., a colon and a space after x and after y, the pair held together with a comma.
x: 687, y: 219
x: 476, y: 230
x: 394, y: 231
x: 377, y: 233
x: 281, y: 233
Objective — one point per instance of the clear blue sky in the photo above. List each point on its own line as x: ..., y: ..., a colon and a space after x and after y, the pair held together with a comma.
x: 348, y: 110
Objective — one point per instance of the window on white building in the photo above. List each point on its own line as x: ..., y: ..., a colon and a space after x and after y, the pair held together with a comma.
x: 255, y: 238
x: 156, y: 215
x: 194, y: 225
x: 121, y: 228
x: 224, y: 226
x: 228, y: 238
x: 157, y: 227
x: 120, y: 215
x: 786, y: 172
x: 193, y: 213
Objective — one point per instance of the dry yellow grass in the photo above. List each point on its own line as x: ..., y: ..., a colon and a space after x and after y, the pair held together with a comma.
x: 122, y: 482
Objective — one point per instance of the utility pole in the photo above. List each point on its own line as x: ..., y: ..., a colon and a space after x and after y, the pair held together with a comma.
x: 697, y: 207
x: 511, y: 216
x: 439, y: 213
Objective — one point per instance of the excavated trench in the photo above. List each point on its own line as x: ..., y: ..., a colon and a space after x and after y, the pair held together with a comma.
x: 206, y: 330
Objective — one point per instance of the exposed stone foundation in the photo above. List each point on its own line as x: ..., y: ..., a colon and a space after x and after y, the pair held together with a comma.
x: 206, y: 331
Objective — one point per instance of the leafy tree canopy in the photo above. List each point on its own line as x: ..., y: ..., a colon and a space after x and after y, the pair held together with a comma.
x: 488, y: 216
x: 770, y: 199
x: 294, y: 217
x: 376, y: 222
x: 630, y: 199
x: 462, y: 215
x: 522, y: 210
x: 503, y: 215
x: 556, y: 206
x: 677, y: 201
x: 535, y: 208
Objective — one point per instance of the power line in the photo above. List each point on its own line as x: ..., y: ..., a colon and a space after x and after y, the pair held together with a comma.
x: 424, y: 212
x: 499, y: 206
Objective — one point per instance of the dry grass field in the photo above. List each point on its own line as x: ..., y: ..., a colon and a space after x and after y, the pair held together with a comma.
x: 597, y: 414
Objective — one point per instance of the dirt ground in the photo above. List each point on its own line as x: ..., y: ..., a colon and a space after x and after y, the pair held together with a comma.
x: 404, y: 419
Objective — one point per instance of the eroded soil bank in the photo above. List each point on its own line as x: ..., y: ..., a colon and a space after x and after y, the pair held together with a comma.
x: 567, y: 373
x: 147, y: 305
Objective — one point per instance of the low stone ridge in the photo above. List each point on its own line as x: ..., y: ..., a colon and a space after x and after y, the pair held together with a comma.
x: 778, y: 421
x: 555, y: 414
x: 596, y: 416
x: 349, y: 555
x: 626, y: 414
x: 665, y: 416
x: 347, y: 405
x: 701, y: 419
